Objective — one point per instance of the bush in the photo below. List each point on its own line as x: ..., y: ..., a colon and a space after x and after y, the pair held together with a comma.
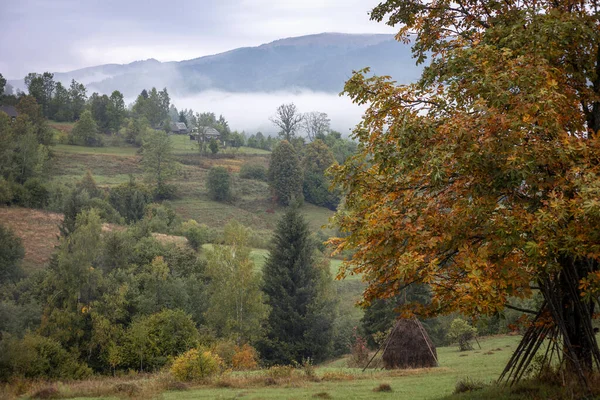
x: 245, y: 358
x: 152, y: 340
x: 105, y: 210
x: 467, y: 385
x: 165, y: 191
x: 280, y: 371
x: 36, y: 356
x: 57, y: 196
x: 462, y: 333
x: 161, y: 217
x: 130, y: 200
x: 195, y: 364
x: 253, y: 171
x: 11, y: 254
x: 213, y: 146
x: 6, y: 194
x: 225, y: 349
x: 359, y: 356
x: 219, y: 184
x: 196, y: 234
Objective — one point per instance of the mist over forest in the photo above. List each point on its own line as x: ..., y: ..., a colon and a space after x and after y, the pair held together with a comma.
x: 250, y: 112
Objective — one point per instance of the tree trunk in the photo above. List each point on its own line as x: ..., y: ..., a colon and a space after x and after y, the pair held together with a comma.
x: 573, y: 315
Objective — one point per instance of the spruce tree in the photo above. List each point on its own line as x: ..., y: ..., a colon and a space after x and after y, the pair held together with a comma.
x: 285, y: 174
x: 293, y: 282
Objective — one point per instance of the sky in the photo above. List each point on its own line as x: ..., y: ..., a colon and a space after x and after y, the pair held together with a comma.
x: 63, y: 35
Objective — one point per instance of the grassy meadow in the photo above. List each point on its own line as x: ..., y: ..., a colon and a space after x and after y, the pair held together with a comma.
x: 333, y: 380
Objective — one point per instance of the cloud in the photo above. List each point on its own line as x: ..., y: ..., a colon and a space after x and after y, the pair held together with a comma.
x: 250, y: 112
x: 62, y: 35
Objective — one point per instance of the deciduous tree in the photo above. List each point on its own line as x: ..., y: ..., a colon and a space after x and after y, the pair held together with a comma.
x: 288, y: 120
x: 315, y: 124
x: 157, y: 159
x: 236, y: 303
x: 482, y: 179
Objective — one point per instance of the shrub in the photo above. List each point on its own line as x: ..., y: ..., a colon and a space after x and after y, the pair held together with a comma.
x: 253, y: 171
x: 130, y: 200
x: 213, y: 146
x: 5, y: 191
x: 219, y: 184
x: 462, y: 333
x: 196, y: 234
x: 195, y: 364
x: 57, y: 196
x: 36, y: 356
x: 467, y: 385
x: 165, y: 191
x: 19, y: 194
x: 225, y: 349
x: 105, y: 210
x: 152, y: 340
x: 11, y: 254
x: 360, y: 352
x: 280, y: 371
x: 161, y: 217
x: 245, y: 358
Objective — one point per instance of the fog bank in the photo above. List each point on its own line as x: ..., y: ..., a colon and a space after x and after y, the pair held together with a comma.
x: 250, y: 112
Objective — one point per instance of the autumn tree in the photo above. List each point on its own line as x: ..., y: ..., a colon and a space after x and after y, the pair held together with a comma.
x: 481, y: 180
x: 288, y: 120
x: 285, y: 174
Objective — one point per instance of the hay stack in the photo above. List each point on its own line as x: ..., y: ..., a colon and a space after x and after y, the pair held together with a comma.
x: 409, y: 346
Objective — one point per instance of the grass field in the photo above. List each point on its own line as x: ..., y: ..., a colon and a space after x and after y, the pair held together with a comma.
x: 485, y: 365
x: 335, y: 381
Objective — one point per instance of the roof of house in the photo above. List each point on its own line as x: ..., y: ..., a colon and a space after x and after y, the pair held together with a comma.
x: 11, y: 111
x: 208, y: 131
x: 178, y: 126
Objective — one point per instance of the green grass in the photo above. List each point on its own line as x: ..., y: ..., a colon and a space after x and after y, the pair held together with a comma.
x: 484, y: 365
x: 105, y: 150
x: 183, y: 145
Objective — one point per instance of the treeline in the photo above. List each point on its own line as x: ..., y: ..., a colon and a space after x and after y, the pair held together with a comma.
x: 119, y: 299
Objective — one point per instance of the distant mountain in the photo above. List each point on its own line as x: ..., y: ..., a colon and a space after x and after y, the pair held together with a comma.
x: 321, y: 62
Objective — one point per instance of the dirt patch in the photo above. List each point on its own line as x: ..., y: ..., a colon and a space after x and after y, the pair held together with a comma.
x: 37, y: 229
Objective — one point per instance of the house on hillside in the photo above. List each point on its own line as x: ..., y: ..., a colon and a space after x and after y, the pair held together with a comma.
x: 11, y: 111
x: 205, y: 134
x: 179, y: 128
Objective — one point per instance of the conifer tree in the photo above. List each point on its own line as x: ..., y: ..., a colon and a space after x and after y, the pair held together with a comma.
x: 293, y: 283
x: 285, y: 174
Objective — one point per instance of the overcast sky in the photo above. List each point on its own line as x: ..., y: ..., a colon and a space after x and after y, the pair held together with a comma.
x: 62, y: 35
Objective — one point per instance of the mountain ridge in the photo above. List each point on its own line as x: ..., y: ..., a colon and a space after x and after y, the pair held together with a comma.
x: 319, y: 62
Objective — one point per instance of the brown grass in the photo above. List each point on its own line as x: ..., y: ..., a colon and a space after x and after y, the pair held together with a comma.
x: 37, y: 229
x: 40, y: 234
x: 63, y: 127
x: 384, y: 387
